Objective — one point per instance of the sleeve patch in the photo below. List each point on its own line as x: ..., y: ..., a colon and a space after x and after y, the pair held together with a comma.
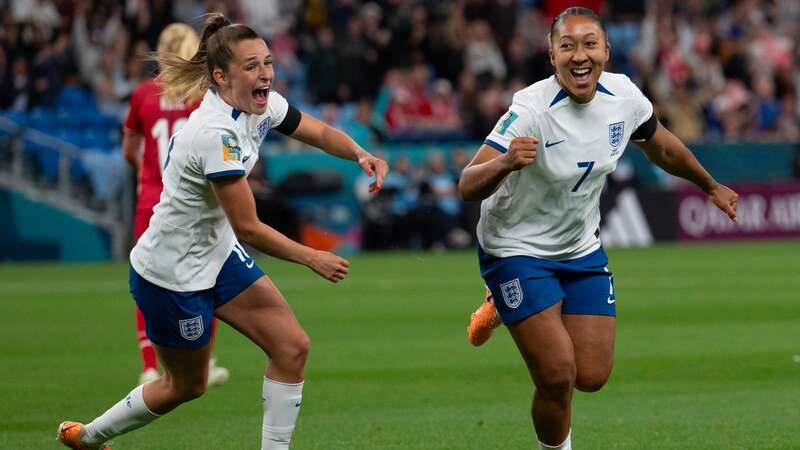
x: 230, y: 148
x: 506, y: 122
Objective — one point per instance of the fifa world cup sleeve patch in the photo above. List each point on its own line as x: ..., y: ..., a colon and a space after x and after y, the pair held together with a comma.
x: 506, y: 121
x: 230, y: 148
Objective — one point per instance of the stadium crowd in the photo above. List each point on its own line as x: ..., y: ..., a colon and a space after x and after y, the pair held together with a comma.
x: 409, y: 71
x: 426, y: 70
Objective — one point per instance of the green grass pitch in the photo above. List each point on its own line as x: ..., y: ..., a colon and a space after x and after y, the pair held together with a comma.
x: 708, y: 357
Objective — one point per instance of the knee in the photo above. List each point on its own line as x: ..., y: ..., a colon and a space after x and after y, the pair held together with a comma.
x: 591, y: 382
x: 557, y: 382
x: 189, y: 390
x: 299, y: 350
x: 294, y: 353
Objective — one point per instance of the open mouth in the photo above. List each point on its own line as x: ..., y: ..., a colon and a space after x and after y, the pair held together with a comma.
x: 582, y: 74
x: 260, y: 95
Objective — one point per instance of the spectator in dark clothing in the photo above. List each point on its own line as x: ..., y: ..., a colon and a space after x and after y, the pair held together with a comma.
x: 323, y: 80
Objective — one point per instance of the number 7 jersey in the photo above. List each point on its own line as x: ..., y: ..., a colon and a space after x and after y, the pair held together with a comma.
x: 551, y: 208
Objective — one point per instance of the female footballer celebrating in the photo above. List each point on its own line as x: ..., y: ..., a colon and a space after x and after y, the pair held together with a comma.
x: 540, y: 173
x: 188, y: 266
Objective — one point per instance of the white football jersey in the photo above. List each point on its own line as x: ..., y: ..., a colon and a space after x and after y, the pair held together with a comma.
x: 189, y: 236
x: 551, y: 209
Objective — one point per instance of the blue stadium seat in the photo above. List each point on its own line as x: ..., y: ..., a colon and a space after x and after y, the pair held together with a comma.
x: 97, y: 138
x: 16, y: 116
x: 71, y: 135
x: 44, y: 158
x: 71, y: 117
x: 75, y: 98
x: 98, y: 119
x: 43, y: 119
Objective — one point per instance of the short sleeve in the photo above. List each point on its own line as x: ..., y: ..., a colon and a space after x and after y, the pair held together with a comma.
x: 278, y: 112
x: 516, y: 122
x: 220, y: 153
x: 132, y: 121
x: 277, y: 109
x: 643, y: 109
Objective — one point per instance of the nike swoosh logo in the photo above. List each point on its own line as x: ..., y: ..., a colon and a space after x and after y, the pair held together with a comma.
x: 297, y: 405
x: 549, y: 144
x: 244, y: 160
x: 611, y: 300
x: 250, y: 266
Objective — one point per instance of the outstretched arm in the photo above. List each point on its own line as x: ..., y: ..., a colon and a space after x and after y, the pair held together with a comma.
x: 321, y: 135
x: 236, y: 198
x: 668, y: 152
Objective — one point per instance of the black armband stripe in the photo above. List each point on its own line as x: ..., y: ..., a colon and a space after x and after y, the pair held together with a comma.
x: 290, y: 122
x: 646, y: 130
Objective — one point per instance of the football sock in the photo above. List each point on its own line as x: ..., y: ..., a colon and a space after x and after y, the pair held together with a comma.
x: 149, y: 360
x: 281, y: 402
x: 128, y: 414
x: 566, y: 445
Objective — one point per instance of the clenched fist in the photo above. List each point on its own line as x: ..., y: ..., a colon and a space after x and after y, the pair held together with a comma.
x: 521, y: 152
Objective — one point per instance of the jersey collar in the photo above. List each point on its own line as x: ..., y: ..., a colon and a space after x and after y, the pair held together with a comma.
x: 562, y: 94
x: 214, y: 100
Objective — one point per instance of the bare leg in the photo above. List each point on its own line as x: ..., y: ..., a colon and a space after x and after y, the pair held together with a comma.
x: 262, y: 314
x: 184, y: 379
x: 593, y: 341
x: 547, y: 349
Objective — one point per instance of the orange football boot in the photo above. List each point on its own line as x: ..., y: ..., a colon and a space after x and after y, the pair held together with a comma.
x: 69, y: 434
x: 483, y: 321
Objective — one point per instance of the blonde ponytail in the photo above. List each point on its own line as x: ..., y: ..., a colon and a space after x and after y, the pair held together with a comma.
x: 184, y: 78
x: 177, y: 44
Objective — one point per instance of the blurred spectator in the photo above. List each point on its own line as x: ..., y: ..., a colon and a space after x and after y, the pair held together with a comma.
x: 343, y: 51
x: 271, y: 207
x: 351, y: 49
x: 41, y: 13
x: 358, y: 127
x: 433, y: 70
x: 15, y: 85
x: 409, y: 106
x: 444, y: 109
x: 767, y: 107
x: 323, y: 78
x: 683, y: 113
x: 269, y: 18
x: 439, y: 206
x: 448, y: 38
x: 482, y: 56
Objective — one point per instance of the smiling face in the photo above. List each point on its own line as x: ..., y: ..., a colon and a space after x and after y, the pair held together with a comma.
x: 246, y: 84
x: 579, y: 52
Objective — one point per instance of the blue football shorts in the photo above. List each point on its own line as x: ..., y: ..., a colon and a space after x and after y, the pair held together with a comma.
x: 524, y: 285
x: 183, y: 319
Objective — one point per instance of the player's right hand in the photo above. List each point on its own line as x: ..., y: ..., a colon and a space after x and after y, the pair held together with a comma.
x: 329, y: 266
x: 521, y: 152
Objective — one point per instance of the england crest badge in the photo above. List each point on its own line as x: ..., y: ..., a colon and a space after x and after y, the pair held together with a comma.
x: 191, y: 329
x: 615, y: 132
x: 512, y: 293
x: 263, y: 128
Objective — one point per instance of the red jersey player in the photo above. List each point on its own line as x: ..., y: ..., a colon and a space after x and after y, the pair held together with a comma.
x: 153, y: 118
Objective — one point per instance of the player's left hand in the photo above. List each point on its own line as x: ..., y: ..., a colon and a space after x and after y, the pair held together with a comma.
x: 374, y: 167
x: 725, y: 199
